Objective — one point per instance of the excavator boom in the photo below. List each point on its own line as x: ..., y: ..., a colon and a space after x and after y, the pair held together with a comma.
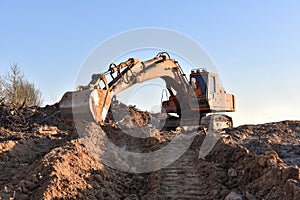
x: 93, y: 102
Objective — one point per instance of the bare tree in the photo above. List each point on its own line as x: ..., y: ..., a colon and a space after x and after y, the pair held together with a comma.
x: 18, y: 90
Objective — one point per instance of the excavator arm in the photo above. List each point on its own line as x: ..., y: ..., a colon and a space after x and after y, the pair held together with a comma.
x: 92, y: 102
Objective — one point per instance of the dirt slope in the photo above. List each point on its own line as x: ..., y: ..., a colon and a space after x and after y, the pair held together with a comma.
x: 42, y: 158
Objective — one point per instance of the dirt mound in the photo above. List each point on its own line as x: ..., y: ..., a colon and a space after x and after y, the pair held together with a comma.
x: 282, y: 137
x: 21, y: 119
x: 127, y: 115
x: 42, y: 158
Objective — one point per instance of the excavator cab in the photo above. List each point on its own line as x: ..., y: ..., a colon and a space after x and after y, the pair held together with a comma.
x: 211, y: 98
x: 210, y: 94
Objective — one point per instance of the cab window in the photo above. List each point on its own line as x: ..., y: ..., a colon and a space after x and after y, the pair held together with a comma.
x: 212, y: 84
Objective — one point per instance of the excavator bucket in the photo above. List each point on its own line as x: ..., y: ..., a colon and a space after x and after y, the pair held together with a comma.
x: 85, y: 105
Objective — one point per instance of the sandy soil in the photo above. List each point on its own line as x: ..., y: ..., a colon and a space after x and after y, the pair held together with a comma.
x: 42, y: 158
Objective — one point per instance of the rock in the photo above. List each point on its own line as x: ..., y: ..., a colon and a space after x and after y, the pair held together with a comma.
x: 48, y: 129
x: 29, y: 185
x: 231, y: 172
x: 233, y: 196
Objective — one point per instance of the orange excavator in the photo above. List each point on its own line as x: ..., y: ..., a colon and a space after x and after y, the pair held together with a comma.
x: 198, y: 100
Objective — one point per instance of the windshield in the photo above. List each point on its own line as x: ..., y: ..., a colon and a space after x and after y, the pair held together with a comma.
x: 201, y: 82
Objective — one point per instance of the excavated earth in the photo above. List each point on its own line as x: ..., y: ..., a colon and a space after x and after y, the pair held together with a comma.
x: 43, y: 158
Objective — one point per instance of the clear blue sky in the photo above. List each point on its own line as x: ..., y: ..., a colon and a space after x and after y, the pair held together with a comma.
x: 254, y: 44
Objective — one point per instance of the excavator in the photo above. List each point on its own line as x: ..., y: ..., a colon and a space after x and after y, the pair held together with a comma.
x: 200, y: 100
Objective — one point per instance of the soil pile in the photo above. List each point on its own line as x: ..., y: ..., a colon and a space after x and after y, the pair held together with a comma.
x: 42, y: 158
x: 282, y: 137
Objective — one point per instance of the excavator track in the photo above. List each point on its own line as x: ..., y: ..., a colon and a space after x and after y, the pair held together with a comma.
x: 211, y: 122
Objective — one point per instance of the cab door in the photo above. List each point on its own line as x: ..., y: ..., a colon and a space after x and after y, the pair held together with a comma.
x: 213, y: 94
